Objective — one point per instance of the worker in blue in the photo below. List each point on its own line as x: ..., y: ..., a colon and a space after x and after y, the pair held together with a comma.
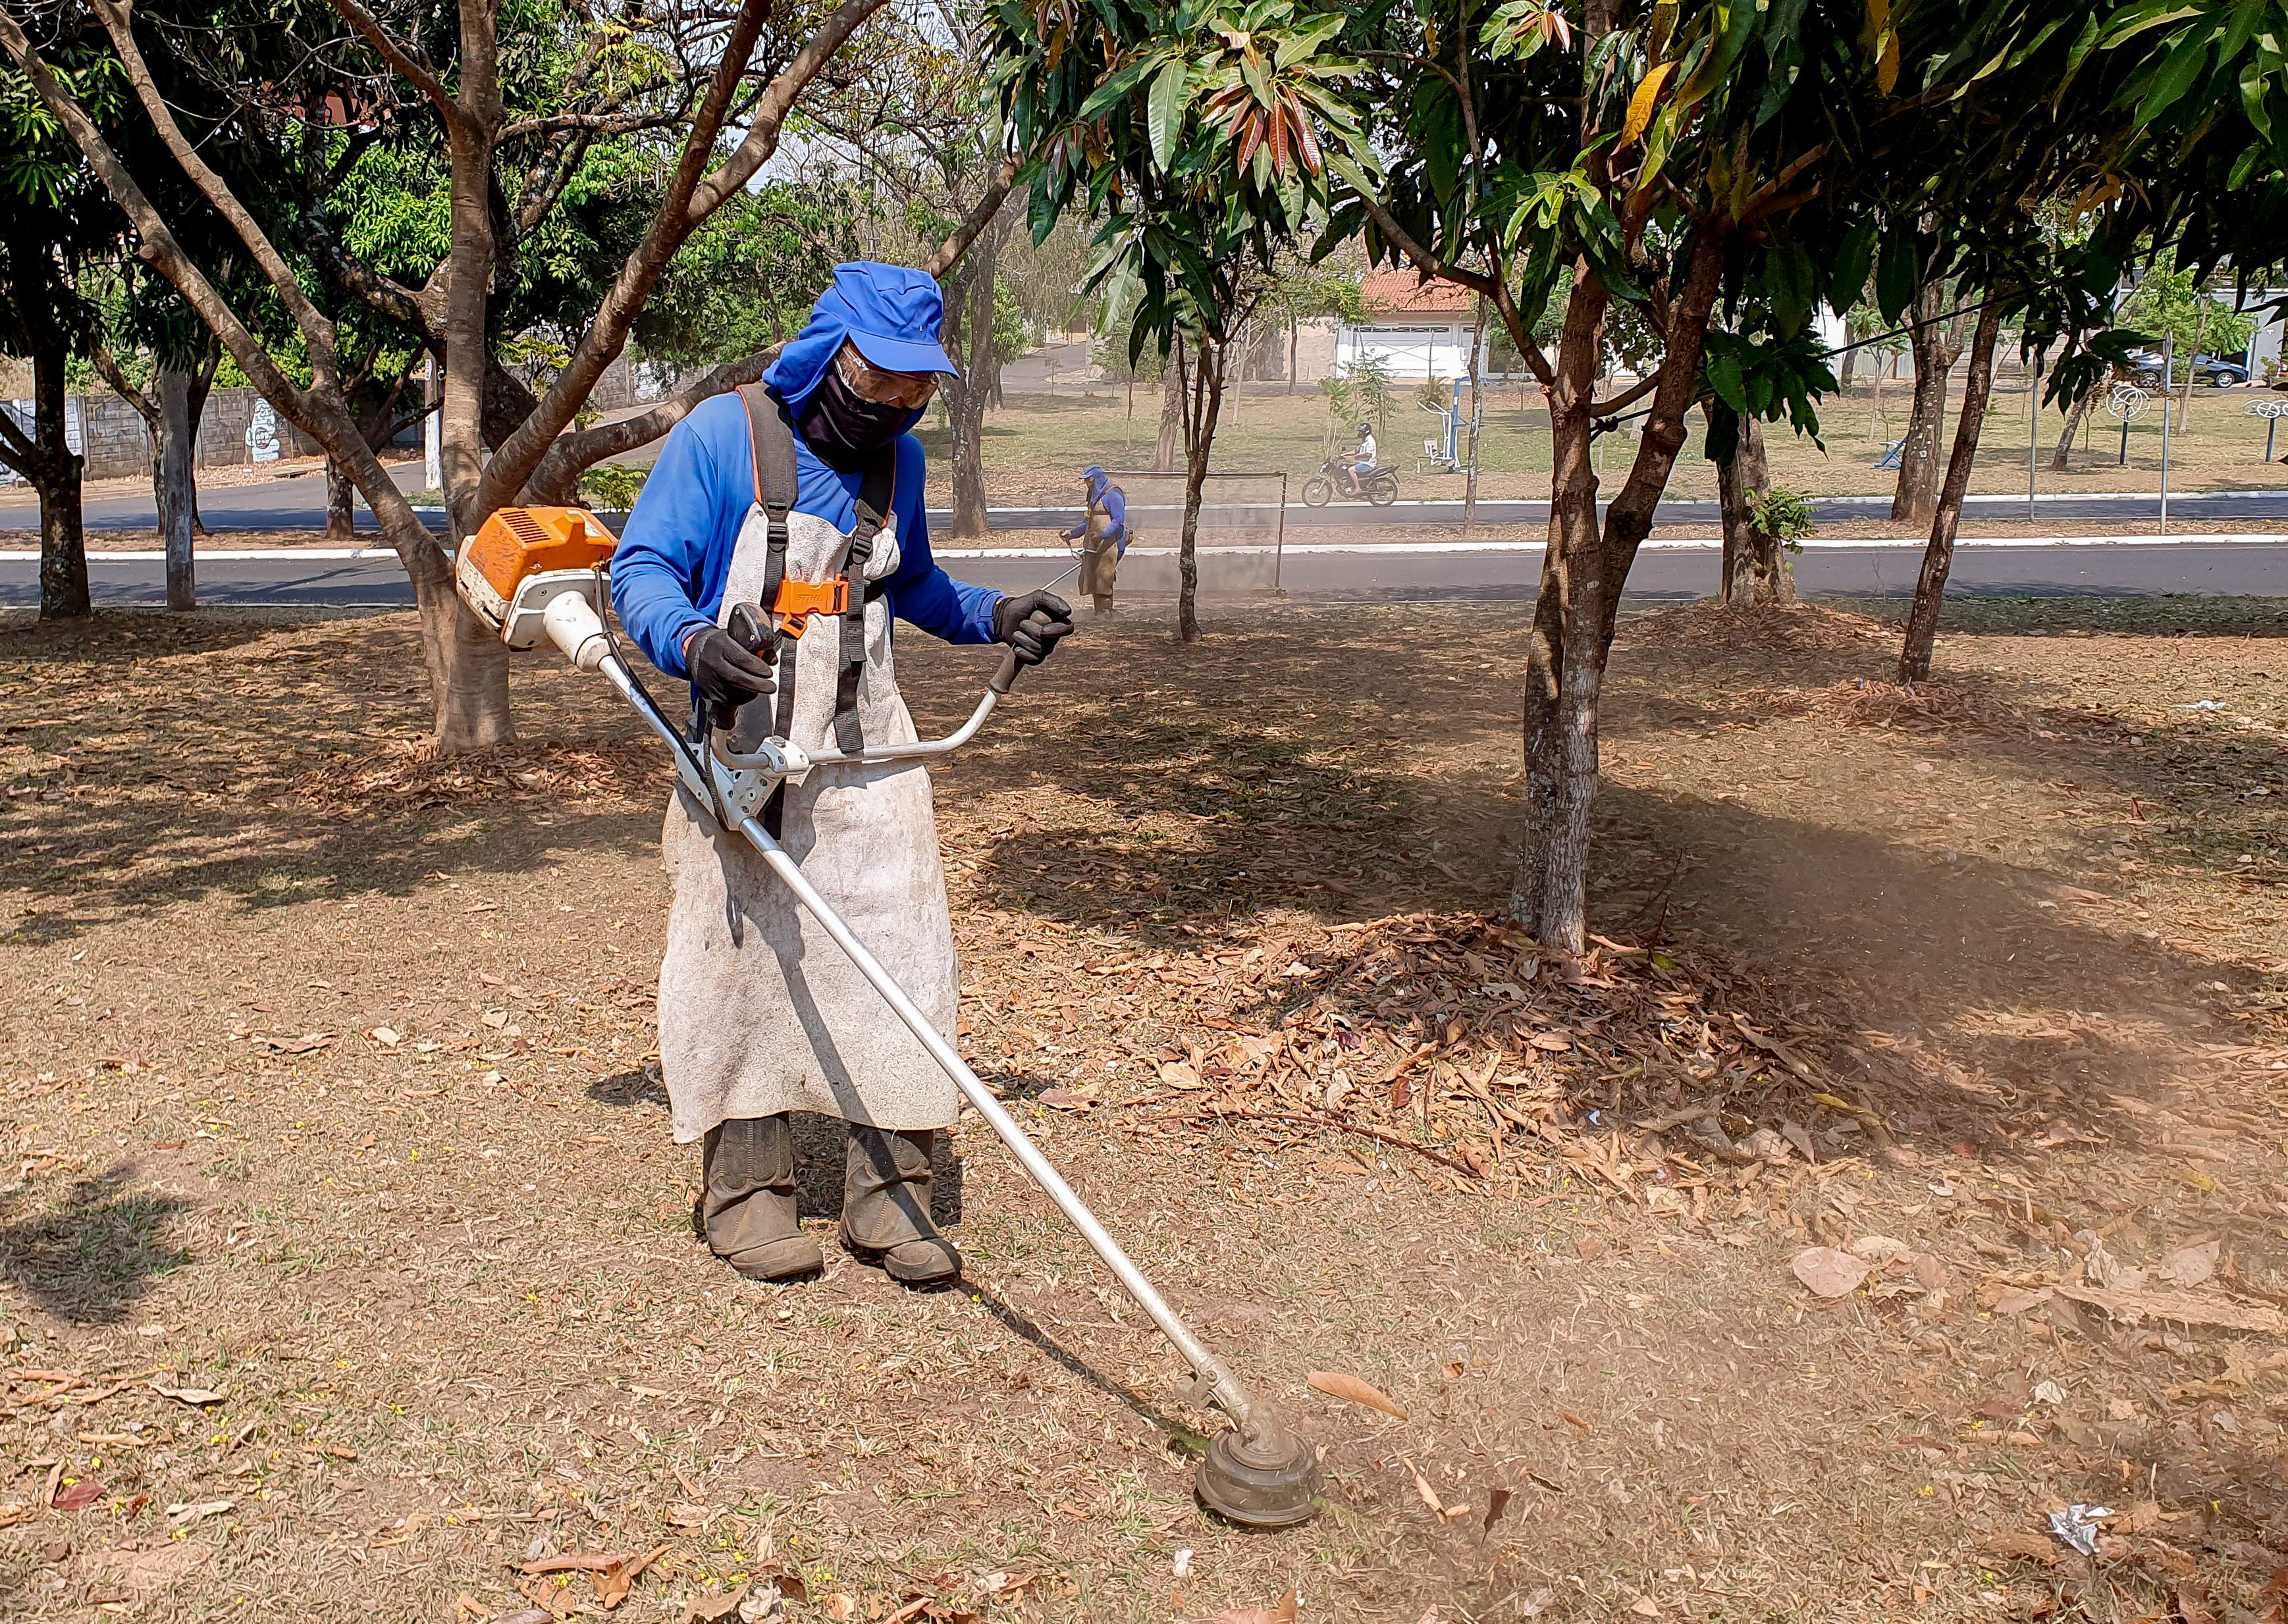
x: 1103, y: 536
x: 804, y: 495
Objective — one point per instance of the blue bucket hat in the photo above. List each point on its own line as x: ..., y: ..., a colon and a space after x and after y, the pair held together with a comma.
x: 893, y: 315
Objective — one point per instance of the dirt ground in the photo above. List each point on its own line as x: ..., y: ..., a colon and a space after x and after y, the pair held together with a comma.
x: 347, y: 1263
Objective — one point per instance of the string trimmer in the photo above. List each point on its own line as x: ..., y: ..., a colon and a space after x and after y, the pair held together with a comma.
x: 536, y: 575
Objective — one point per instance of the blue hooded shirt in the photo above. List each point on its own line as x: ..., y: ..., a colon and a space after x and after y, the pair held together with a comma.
x: 668, y: 574
x: 1103, y: 492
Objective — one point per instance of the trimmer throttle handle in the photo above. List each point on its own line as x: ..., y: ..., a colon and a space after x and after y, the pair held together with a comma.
x: 1006, y: 677
x: 751, y: 631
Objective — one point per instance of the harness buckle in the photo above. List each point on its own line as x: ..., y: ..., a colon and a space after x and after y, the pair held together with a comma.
x: 798, y: 600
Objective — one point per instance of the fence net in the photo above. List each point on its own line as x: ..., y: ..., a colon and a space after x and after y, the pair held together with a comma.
x: 1242, y: 523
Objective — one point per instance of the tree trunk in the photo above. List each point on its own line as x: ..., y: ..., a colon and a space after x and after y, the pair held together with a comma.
x: 467, y: 664
x: 1582, y: 574
x: 2185, y: 395
x: 1850, y: 357
x: 55, y: 471
x: 194, y: 411
x: 1477, y: 416
x: 175, y: 435
x: 968, y: 332
x: 1918, y: 487
x: 1734, y: 577
x: 341, y: 522
x: 1756, y: 569
x: 1204, y: 405
x: 2061, y: 458
x: 1173, y: 385
x: 1293, y: 350
x: 1938, y: 557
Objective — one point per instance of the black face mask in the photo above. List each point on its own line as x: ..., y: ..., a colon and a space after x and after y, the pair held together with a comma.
x: 847, y: 430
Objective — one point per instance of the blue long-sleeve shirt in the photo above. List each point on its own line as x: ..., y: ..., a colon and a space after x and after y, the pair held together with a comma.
x: 668, y: 574
x: 1115, y: 504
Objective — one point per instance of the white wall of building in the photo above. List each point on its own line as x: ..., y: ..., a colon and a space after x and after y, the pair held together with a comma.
x: 1412, y: 348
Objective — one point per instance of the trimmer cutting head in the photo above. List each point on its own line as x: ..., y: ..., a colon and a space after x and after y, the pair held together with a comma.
x: 522, y: 559
x: 1264, y: 1477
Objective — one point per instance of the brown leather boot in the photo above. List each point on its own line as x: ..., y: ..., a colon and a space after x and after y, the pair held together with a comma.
x: 885, y: 1207
x: 746, y: 1209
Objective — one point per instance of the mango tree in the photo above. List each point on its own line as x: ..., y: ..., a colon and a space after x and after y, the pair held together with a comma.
x: 1203, y: 139
x: 1662, y: 154
x: 2154, y: 117
x: 710, y: 90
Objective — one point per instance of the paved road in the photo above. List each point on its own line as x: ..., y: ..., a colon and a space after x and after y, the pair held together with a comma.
x: 300, y: 503
x: 1358, y: 573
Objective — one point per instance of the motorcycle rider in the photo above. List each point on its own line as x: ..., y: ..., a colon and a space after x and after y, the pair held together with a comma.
x: 1360, y: 460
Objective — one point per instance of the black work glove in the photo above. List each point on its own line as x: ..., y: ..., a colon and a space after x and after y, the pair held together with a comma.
x: 725, y: 674
x: 1032, y: 624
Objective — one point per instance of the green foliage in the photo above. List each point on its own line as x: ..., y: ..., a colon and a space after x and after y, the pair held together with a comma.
x: 748, y: 278
x: 2179, y: 305
x: 1784, y: 515
x: 1314, y: 290
x: 613, y: 487
x: 1202, y: 140
x: 1012, y: 334
x: 1363, y: 392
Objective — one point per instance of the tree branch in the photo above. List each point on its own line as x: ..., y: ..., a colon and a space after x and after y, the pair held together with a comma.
x: 572, y: 454
x: 384, y: 295
x: 980, y: 215
x: 107, y: 368
x: 1477, y: 281
x: 316, y: 329
x: 398, y: 56
x: 319, y: 415
x: 594, y: 123
x: 1627, y: 397
x: 689, y: 201
x: 17, y: 452
x: 1773, y: 193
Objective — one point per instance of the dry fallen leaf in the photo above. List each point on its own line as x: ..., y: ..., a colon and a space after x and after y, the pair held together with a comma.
x: 2190, y: 1266
x: 1828, y: 1272
x: 1429, y: 1496
x: 194, y: 1395
x: 1336, y: 1384
x: 1285, y: 1613
x: 2183, y: 1307
x: 2028, y: 1547
x: 79, y: 1496
x: 713, y: 1609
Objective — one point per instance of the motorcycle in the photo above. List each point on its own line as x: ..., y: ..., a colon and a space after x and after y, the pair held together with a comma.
x: 1379, y: 485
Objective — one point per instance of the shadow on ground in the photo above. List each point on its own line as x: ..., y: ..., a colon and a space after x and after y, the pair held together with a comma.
x: 89, y: 1254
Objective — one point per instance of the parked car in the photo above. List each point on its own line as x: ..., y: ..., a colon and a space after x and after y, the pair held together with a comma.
x: 2217, y: 371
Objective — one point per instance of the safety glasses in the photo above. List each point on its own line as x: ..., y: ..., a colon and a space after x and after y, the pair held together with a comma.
x: 869, y: 381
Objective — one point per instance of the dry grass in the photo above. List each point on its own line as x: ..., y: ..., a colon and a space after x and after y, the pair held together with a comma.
x: 335, y: 1098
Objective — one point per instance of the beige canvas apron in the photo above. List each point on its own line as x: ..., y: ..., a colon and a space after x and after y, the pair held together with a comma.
x: 1099, y: 558
x: 758, y: 1010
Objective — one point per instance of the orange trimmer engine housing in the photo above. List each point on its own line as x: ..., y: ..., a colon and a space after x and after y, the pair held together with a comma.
x: 522, y: 558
